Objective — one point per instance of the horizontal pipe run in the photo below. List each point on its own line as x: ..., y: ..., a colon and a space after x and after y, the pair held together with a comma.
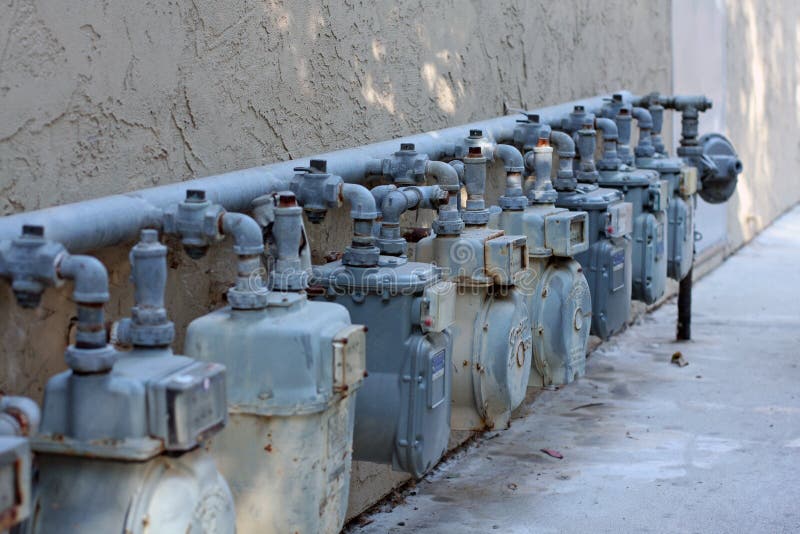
x: 103, y: 222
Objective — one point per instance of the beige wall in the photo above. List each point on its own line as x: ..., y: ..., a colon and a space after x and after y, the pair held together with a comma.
x: 100, y: 97
x: 763, y: 111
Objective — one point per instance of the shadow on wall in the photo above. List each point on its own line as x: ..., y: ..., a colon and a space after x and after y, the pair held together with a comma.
x: 107, y: 96
x: 763, y: 117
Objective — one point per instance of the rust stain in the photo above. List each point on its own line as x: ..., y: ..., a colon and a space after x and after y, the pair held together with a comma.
x: 268, y: 447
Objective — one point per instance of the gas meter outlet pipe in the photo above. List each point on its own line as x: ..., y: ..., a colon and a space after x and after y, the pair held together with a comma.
x: 513, y: 198
x: 249, y: 291
x: 644, y: 147
x: 610, y: 159
x: 449, y: 220
x: 393, y: 203
x: 91, y: 353
x: 362, y: 251
x: 565, y: 149
x: 19, y: 416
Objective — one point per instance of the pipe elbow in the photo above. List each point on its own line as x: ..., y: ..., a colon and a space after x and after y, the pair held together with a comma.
x: 247, y: 235
x: 362, y: 203
x: 89, y: 275
x: 608, y: 127
x: 511, y: 157
x: 643, y: 117
x: 563, y: 143
x: 22, y: 416
x: 394, y: 204
x: 445, y: 175
x: 380, y: 192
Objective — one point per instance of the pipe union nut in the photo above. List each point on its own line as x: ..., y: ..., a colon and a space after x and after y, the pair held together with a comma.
x: 87, y: 361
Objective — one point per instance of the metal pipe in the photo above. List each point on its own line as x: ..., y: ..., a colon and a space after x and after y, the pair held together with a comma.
x: 246, y: 233
x: 288, y: 273
x: 362, y: 204
x: 19, y: 416
x: 513, y: 165
x: 444, y: 174
x: 644, y: 147
x: 565, y: 149
x: 685, y: 307
x: 148, y: 325
x: 249, y: 291
x: 610, y: 159
x: 89, y: 276
x: 657, y: 113
x: 90, y: 292
x: 94, y: 224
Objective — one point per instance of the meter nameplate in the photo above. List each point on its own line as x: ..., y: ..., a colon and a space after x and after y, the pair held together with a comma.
x: 617, y: 269
x: 438, y: 307
x: 437, y: 379
x: 349, y: 358
x: 688, y: 183
x: 620, y: 220
x: 190, y: 404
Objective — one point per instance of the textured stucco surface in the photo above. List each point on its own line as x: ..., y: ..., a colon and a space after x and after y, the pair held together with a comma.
x: 763, y: 111
x: 101, y: 97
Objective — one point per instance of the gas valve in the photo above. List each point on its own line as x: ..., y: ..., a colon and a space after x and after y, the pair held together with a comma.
x: 718, y: 168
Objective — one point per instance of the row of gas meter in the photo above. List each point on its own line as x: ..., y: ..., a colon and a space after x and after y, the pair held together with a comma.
x: 371, y: 357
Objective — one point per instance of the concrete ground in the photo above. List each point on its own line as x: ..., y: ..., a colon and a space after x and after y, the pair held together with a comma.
x: 649, y: 446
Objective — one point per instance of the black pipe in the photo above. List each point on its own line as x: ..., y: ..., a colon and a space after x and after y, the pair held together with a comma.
x: 685, y: 307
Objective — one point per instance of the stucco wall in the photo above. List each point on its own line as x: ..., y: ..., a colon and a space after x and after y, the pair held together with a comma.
x: 763, y: 111
x: 100, y: 97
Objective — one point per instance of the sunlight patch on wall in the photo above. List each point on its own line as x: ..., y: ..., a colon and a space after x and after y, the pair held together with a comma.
x: 383, y: 98
x: 438, y: 86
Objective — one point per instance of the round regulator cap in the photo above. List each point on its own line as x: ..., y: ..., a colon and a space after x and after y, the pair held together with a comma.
x: 719, y: 184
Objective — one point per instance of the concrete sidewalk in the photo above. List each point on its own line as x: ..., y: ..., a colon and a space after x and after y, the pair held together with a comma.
x: 648, y: 446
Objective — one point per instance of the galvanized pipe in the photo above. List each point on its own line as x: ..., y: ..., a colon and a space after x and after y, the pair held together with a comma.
x: 684, y: 330
x: 98, y: 223
x: 19, y: 416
